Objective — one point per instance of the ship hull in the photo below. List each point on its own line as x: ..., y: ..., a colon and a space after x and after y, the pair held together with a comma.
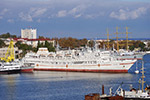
x: 10, y: 71
x: 27, y: 67
x: 104, y: 68
x: 82, y: 70
x: 27, y: 70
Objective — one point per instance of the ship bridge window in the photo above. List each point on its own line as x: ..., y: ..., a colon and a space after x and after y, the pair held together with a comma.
x: 104, y: 59
x: 64, y: 63
x: 78, y: 62
x: 95, y: 62
x: 46, y: 62
x: 51, y: 56
x: 34, y: 56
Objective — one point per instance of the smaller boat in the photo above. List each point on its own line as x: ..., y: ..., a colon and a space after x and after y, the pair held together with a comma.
x: 136, y: 94
x: 10, y: 67
x: 27, y: 67
x: 136, y: 71
x: 103, y: 96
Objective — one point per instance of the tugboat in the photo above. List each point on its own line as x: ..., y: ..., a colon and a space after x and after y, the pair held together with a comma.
x: 7, y: 64
x: 136, y: 71
x: 134, y: 94
x: 9, y: 67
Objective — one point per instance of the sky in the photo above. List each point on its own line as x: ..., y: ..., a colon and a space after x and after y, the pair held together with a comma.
x: 76, y: 18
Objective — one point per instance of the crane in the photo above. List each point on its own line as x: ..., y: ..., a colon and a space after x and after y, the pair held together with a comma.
x: 9, y: 56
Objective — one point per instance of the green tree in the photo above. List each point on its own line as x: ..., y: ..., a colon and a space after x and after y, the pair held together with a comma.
x: 137, y: 44
x: 2, y: 44
x: 48, y: 45
x: 91, y: 43
x: 24, y: 47
x: 41, y: 37
x: 8, y: 35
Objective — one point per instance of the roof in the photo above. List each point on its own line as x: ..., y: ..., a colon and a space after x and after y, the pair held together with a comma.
x: 26, y: 39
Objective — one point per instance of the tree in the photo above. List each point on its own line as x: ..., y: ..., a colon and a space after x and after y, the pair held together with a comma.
x: 142, y: 46
x: 2, y: 44
x: 148, y: 44
x: 137, y: 44
x: 48, y: 45
x: 23, y: 47
x: 8, y: 35
x: 41, y: 37
x: 71, y: 42
x: 91, y: 43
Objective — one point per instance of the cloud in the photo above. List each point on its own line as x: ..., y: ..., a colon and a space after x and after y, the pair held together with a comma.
x: 62, y: 13
x: 25, y: 17
x: 76, y: 12
x: 77, y: 16
x: 10, y: 20
x: 3, y: 11
x: 77, y: 9
x: 1, y: 17
x: 36, y: 12
x: 127, y: 14
x: 33, y: 13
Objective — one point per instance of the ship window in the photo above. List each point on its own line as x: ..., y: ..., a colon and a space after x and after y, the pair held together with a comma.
x: 94, y: 61
x: 79, y: 62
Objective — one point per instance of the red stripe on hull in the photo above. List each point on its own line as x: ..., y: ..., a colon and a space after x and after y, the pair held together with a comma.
x: 83, y: 70
x: 130, y: 58
x: 126, y: 63
x: 27, y: 70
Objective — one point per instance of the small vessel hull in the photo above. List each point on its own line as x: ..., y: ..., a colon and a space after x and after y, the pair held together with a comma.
x: 30, y: 70
x: 10, y: 71
x: 27, y: 69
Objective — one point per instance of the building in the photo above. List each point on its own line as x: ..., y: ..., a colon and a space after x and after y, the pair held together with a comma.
x: 28, y: 33
x: 4, y: 50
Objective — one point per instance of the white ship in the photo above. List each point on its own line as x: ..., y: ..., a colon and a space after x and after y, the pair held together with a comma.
x: 10, y: 67
x: 129, y: 55
x: 85, y: 60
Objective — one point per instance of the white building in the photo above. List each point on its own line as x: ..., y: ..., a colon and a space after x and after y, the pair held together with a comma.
x: 28, y: 33
x: 4, y: 50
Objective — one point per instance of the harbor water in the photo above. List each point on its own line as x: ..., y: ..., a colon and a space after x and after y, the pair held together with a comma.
x: 53, y: 85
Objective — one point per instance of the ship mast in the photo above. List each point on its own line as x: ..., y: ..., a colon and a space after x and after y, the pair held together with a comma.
x: 107, y: 39
x: 127, y: 41
x: 117, y: 38
x: 143, y: 76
